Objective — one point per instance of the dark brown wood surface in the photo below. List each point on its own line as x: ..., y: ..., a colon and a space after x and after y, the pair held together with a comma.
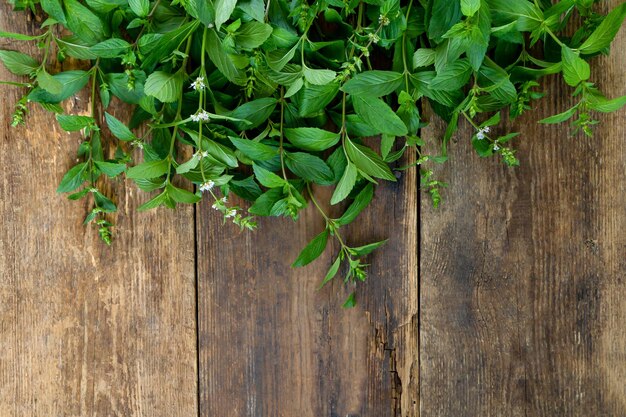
x: 506, y: 301
x: 86, y: 330
x: 274, y: 346
x: 523, y: 271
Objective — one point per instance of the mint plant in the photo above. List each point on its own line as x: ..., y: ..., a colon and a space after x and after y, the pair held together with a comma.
x: 273, y: 97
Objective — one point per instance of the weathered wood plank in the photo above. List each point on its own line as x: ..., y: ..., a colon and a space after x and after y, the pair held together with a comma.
x: 87, y: 330
x: 271, y: 345
x: 522, y: 270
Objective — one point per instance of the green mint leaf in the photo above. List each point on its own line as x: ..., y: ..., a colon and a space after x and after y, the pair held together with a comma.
x: 386, y: 143
x: 379, y: 115
x: 309, y: 167
x: 188, y: 165
x: 222, y: 60
x: 453, y: 77
x: 71, y: 82
x: 18, y: 63
x: 75, y: 47
x: 277, y: 60
x: 368, y: 161
x: 83, y: 22
x: 163, y: 86
x: 254, y: 113
x: 313, y: 250
x: 267, y: 178
x: 154, y: 202
x: 319, y: 76
x: 71, y: 123
x: 223, y: 10
x: 110, y: 48
x: 561, y: 117
x: 367, y: 249
x: 73, y: 178
x: 345, y: 185
x: 54, y: 9
x: 265, y: 202
x: 140, y: 7
x: 181, y: 196
x: 575, y: 69
x: 49, y: 83
x: 605, y: 105
x: 332, y: 272
x: 470, y: 7
x: 18, y: 36
x: 604, y: 34
x: 350, y: 301
x: 526, y: 15
x: 247, y: 188
x: 317, y: 97
x: 157, y: 47
x: 119, y: 129
x: 374, y: 83
x: 254, y: 150
x: 253, y: 34
x: 146, y: 170
x: 311, y: 138
x: 424, y: 57
x: 444, y: 14
x: 110, y: 169
x: 361, y: 201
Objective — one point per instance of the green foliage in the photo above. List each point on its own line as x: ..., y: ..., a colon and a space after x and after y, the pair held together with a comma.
x: 270, y: 98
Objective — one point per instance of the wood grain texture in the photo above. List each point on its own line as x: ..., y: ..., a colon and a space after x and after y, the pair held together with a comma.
x: 86, y: 330
x: 523, y: 270
x: 271, y: 345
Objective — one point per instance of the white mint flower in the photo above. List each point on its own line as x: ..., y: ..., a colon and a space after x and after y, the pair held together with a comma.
x: 373, y: 37
x: 383, y: 20
x: 198, y: 84
x: 216, y: 206
x: 223, y: 200
x: 201, y: 154
x: 231, y: 213
x: 481, y: 132
x: 207, y: 186
x: 495, y: 147
x: 202, y: 115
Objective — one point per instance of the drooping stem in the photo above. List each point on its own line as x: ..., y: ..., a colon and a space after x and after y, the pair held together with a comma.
x: 281, y: 138
x: 329, y: 222
x: 178, y: 113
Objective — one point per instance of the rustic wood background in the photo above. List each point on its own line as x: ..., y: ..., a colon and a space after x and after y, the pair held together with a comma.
x: 509, y: 300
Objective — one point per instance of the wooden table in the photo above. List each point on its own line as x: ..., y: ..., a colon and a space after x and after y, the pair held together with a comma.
x: 509, y: 300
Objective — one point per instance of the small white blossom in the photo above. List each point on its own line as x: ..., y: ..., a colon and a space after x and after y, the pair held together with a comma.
x: 374, y: 38
x: 216, y: 206
x: 198, y: 84
x: 207, y: 186
x: 231, y: 213
x: 223, y: 200
x: 202, y: 115
x: 201, y: 154
x: 383, y: 20
x: 495, y: 147
x: 481, y: 133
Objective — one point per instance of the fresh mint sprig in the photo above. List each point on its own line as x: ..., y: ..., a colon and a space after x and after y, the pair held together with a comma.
x: 272, y: 97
